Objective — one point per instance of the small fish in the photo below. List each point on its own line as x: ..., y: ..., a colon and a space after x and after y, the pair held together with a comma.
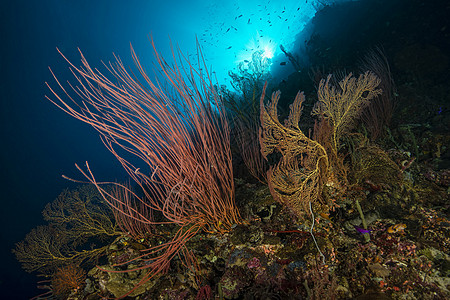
x: 362, y: 230
x: 248, y: 21
x: 283, y: 63
x: 227, y: 30
x: 229, y: 47
x: 246, y: 61
x: 396, y: 228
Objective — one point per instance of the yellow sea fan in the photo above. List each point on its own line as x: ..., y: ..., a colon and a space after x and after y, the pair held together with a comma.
x: 341, y: 105
x: 298, y: 177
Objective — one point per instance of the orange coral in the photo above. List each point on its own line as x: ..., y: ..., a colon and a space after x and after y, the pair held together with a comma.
x: 180, y: 134
x: 67, y: 279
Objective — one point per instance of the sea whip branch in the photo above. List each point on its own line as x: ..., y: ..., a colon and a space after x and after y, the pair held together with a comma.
x: 179, y: 132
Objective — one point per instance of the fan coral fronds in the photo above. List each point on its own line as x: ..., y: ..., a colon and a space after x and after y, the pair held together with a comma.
x: 307, y: 164
x: 298, y: 178
x: 342, y: 105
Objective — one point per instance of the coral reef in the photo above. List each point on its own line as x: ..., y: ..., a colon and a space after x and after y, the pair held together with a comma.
x: 378, y: 194
x: 307, y: 164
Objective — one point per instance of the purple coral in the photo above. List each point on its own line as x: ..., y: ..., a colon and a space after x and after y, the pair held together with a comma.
x: 254, y: 263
